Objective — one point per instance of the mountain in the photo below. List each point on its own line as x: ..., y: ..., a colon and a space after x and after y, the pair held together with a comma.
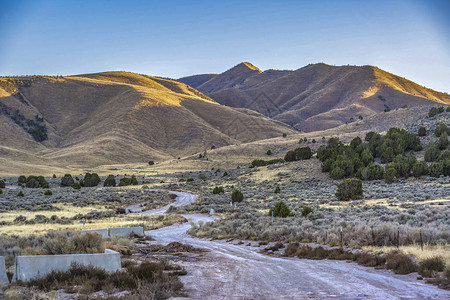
x: 317, y: 96
x: 116, y: 117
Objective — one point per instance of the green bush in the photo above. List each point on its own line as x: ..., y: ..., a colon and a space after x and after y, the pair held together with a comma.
x: 151, y: 163
x: 90, y: 180
x: 262, y: 163
x: 2, y: 184
x: 306, y: 211
x: 20, y: 194
x: 387, y: 155
x: 301, y: 153
x: 337, y: 173
x: 436, y: 169
x: 432, y: 152
x: 280, y: 210
x: 1, y: 191
x: 372, y: 172
x: 190, y: 180
x: 218, y: 190
x: 277, y: 190
x: 22, y: 179
x: 422, y: 131
x: 440, y: 129
x: 269, y: 152
x: 443, y: 141
x: 448, y: 109
x: 76, y: 186
x: 237, y: 196
x: 48, y: 193
x: 350, y: 189
x: 110, y: 181
x: 420, y: 168
x: 67, y: 180
x: 389, y: 175
x: 432, y: 112
x: 125, y: 181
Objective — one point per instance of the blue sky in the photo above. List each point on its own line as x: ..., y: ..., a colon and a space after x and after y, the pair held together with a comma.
x: 180, y: 38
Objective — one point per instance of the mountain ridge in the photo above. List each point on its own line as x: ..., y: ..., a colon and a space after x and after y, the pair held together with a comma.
x: 318, y: 96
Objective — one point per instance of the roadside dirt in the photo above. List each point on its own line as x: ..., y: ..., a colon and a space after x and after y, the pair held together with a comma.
x: 231, y: 271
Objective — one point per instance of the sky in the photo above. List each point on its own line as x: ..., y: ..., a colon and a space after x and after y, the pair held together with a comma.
x: 180, y: 38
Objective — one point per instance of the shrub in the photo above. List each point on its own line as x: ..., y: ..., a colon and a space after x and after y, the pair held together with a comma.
x: 350, y: 189
x: 90, y: 180
x: 237, y: 196
x: 2, y: 184
x: 128, y: 181
x: 422, y: 131
x: 190, y: 180
x: 20, y: 194
x: 67, y: 180
x: 432, y: 112
x: 76, y: 186
x: 225, y: 174
x: 448, y: 109
x: 420, y: 168
x: 269, y: 152
x: 261, y: 163
x: 306, y: 211
x: 151, y: 163
x: 372, y: 172
x: 218, y: 190
x: 280, y: 210
x: 110, y: 181
x: 202, y: 176
x: 54, y: 176
x: 387, y: 155
x: 400, y: 263
x: 436, y: 169
x: 440, y: 129
x: 277, y: 190
x: 337, y: 173
x: 443, y: 141
x: 22, y: 179
x: 430, y: 265
x: 1, y: 191
x: 301, y: 153
x: 389, y: 175
x: 48, y: 193
x: 432, y: 152
x: 291, y: 249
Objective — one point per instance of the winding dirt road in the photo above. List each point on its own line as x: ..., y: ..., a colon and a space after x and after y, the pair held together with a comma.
x: 229, y: 271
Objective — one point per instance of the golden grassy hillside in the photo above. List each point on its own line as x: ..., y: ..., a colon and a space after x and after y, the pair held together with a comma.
x: 317, y: 96
x: 115, y: 117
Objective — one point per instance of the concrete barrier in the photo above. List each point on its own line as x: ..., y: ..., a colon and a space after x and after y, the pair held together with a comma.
x: 3, y: 277
x: 36, y: 266
x: 102, y: 232
x: 126, y: 231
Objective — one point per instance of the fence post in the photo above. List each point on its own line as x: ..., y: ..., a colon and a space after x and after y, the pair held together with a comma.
x: 421, y: 239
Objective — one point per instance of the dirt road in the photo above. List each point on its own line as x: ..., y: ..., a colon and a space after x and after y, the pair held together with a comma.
x: 230, y: 271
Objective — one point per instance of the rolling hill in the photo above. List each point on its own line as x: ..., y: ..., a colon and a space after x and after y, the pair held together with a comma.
x: 317, y: 96
x: 115, y: 117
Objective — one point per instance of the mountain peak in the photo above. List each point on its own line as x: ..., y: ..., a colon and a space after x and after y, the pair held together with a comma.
x: 246, y: 66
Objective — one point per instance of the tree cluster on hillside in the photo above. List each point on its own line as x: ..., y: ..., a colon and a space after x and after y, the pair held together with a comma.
x: 33, y: 181
x: 36, y: 128
x: 394, y: 150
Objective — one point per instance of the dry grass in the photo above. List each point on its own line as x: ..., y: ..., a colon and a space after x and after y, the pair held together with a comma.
x: 149, y: 223
x: 428, y: 251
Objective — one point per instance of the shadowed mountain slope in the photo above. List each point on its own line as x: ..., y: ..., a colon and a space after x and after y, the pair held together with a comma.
x: 317, y: 96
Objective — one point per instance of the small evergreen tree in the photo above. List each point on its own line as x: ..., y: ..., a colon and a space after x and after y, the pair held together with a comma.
x: 110, y: 181
x: 280, y: 210
x: 350, y: 189
x: 277, y: 190
x: 422, y: 131
x: 237, y: 196
x: 432, y: 152
x: 67, y: 180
